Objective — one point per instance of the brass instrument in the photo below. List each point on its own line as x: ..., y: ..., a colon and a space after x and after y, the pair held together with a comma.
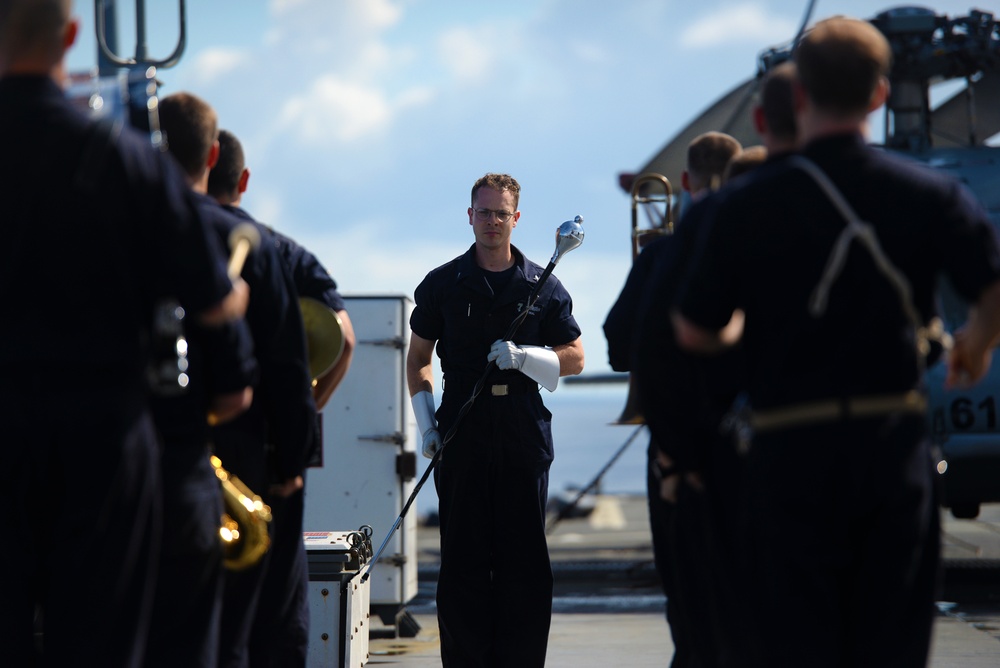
x: 244, y: 523
x: 243, y: 531
x: 324, y: 336
x: 652, y: 191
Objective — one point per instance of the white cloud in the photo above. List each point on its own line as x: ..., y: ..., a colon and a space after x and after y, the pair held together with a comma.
x: 466, y: 54
x: 335, y: 109
x: 212, y: 64
x: 329, y: 17
x: 415, y: 97
x: 747, y: 22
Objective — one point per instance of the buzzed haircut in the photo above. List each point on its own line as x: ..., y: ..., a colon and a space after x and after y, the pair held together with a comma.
x: 500, y: 183
x: 840, y: 62
x: 776, y: 101
x: 744, y: 161
x: 33, y: 27
x: 225, y: 176
x: 191, y: 127
x: 707, y: 157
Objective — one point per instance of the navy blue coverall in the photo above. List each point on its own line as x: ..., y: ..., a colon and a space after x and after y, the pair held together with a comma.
x: 282, y: 417
x: 187, y: 608
x: 494, y: 593
x: 845, y: 540
x: 280, y: 636
x: 97, y: 228
x: 684, y: 398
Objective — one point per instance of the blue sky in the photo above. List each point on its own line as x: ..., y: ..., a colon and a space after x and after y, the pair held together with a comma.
x: 366, y: 121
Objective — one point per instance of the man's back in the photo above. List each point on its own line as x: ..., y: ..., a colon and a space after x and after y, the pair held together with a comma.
x: 85, y: 251
x: 773, y: 243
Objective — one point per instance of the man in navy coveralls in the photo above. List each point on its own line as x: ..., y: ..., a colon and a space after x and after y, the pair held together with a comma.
x: 98, y: 227
x: 707, y: 157
x: 280, y: 635
x: 283, y: 414
x: 843, y: 539
x: 494, y: 592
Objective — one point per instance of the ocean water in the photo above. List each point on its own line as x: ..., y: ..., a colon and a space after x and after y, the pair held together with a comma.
x: 585, y: 441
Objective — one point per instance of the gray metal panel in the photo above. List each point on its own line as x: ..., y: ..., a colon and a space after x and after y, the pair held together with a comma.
x: 367, y: 425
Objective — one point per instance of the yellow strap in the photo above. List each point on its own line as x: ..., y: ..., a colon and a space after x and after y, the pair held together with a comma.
x: 830, y: 409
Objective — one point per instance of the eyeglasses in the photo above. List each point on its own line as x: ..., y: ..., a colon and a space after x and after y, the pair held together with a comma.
x: 486, y: 214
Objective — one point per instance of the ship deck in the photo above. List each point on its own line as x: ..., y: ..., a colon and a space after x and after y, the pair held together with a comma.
x: 608, y: 608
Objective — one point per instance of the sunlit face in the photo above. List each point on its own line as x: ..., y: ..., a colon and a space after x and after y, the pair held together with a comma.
x: 485, y: 214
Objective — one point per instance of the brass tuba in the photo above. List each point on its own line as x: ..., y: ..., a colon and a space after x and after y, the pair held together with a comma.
x: 653, y: 192
x: 244, y: 523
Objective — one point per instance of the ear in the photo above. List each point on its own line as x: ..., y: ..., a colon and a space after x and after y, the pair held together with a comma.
x: 880, y: 94
x: 70, y: 33
x: 798, y: 96
x: 685, y: 181
x: 213, y: 155
x: 759, y: 124
x: 517, y: 214
x: 470, y: 215
x: 244, y: 177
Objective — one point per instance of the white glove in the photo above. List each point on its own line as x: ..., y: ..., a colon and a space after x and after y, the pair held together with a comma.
x: 423, y: 410
x: 537, y: 363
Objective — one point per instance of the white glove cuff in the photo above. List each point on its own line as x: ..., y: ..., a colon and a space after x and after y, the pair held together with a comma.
x: 423, y: 410
x: 542, y: 366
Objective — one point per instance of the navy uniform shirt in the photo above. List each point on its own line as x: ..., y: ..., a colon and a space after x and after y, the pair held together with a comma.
x: 311, y: 280
x: 682, y: 396
x: 308, y: 273
x: 220, y: 361
x: 456, y: 307
x: 283, y: 411
x: 769, y: 244
x: 97, y: 228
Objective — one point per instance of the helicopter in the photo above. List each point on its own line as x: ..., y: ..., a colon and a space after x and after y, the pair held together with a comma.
x: 928, y: 50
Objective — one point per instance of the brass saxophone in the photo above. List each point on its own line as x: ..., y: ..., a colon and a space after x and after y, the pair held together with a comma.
x: 244, y: 523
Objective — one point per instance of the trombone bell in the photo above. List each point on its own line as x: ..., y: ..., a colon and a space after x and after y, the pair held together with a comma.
x: 632, y: 413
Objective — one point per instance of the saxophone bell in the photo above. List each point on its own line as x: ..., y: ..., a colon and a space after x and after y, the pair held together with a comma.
x: 243, y: 532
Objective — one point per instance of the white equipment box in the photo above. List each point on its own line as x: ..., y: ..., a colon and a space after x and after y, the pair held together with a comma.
x: 369, y: 453
x: 338, y: 598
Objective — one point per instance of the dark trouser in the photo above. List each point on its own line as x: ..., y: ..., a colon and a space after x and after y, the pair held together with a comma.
x: 844, y: 545
x: 660, y: 518
x: 187, y: 608
x: 243, y: 455
x: 702, y: 581
x: 81, y: 491
x: 280, y: 637
x: 494, y: 592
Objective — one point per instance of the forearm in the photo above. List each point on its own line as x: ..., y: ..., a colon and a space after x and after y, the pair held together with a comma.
x: 419, y: 371
x: 570, y: 358
x: 695, y: 338
x: 983, y: 325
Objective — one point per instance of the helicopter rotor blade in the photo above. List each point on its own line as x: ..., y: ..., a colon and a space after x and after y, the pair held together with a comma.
x: 950, y: 126
x: 730, y: 114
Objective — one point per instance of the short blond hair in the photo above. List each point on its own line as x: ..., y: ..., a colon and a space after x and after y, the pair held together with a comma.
x: 500, y: 183
x: 707, y: 157
x: 840, y: 63
x: 33, y: 28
